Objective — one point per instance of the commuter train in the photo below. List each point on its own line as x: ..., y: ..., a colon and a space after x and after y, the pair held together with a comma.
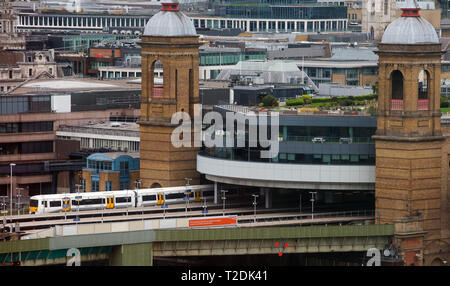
x: 119, y: 199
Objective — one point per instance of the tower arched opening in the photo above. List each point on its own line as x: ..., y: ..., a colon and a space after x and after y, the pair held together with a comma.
x: 396, y: 90
x: 423, y: 90
x: 158, y: 81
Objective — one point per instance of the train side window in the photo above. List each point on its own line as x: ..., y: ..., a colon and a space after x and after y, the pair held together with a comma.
x: 175, y: 196
x: 45, y: 203
x: 149, y: 198
x: 55, y: 204
x: 123, y: 200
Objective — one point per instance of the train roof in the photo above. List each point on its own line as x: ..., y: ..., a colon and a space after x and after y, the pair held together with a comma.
x: 83, y: 195
x: 125, y: 192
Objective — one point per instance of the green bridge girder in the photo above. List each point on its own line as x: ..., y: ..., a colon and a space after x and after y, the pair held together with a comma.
x: 139, y: 247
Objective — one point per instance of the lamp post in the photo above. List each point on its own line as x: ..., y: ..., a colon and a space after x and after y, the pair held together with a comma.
x: 11, y: 165
x: 78, y: 199
x: 138, y: 184
x: 188, y: 192
x: 223, y: 200
x: 313, y: 197
x: 204, y: 211
x: 18, y: 200
x: 254, y: 205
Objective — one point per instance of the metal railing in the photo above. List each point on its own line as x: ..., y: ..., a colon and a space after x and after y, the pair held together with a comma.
x: 21, y: 203
x: 326, y: 139
x: 99, y: 131
x: 303, y: 216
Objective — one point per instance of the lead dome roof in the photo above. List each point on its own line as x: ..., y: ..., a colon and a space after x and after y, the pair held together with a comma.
x: 172, y: 23
x: 410, y: 28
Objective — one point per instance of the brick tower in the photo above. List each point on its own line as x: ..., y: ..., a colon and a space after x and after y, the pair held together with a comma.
x: 169, y: 42
x: 409, y: 141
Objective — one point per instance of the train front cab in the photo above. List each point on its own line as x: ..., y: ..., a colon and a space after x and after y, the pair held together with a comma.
x: 34, y: 205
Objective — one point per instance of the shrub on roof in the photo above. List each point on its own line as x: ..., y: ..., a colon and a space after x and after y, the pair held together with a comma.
x: 295, y: 101
x: 269, y: 100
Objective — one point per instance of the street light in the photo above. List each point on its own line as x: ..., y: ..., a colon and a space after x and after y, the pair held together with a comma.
x: 138, y: 183
x: 10, y: 189
x: 204, y: 211
x: 18, y: 200
x: 254, y: 205
x: 78, y: 199
x: 187, y: 193
x: 313, y: 197
x: 223, y: 200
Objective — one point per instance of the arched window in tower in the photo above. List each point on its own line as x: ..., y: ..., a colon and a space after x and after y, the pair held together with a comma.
x: 158, y: 80
x: 397, y: 90
x: 424, y: 87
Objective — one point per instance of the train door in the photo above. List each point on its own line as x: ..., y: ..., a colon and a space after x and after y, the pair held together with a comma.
x: 110, y: 202
x: 66, y: 204
x: 44, y: 204
x: 160, y: 199
x: 198, y: 196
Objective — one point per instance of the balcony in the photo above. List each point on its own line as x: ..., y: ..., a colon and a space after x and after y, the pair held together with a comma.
x: 265, y: 174
x: 422, y: 104
x: 396, y: 104
x: 158, y: 92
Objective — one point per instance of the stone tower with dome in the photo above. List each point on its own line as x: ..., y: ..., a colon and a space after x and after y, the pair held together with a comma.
x: 169, y: 41
x: 410, y: 190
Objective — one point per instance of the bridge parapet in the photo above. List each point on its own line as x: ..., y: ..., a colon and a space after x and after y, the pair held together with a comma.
x: 194, y: 242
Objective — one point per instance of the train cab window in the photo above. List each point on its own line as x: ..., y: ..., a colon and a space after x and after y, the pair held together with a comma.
x: 34, y: 203
x: 123, y: 200
x: 55, y: 204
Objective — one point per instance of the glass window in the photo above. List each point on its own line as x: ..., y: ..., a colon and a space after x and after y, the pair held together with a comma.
x: 55, y: 204
x: 95, y: 186
x: 123, y: 199
x: 149, y: 198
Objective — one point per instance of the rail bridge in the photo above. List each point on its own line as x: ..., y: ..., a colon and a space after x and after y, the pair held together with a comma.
x: 138, y: 246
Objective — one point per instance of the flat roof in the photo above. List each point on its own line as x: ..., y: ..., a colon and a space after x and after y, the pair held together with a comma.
x: 128, y: 126
x: 327, y: 63
x: 68, y: 84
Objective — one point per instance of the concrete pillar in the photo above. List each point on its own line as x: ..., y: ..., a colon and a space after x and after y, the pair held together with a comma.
x: 328, y: 197
x: 215, y: 192
x: 139, y: 254
x: 268, y: 198
x: 71, y: 180
x: 54, y: 182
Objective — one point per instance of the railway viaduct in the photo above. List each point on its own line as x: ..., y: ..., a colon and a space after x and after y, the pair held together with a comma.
x: 138, y: 246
